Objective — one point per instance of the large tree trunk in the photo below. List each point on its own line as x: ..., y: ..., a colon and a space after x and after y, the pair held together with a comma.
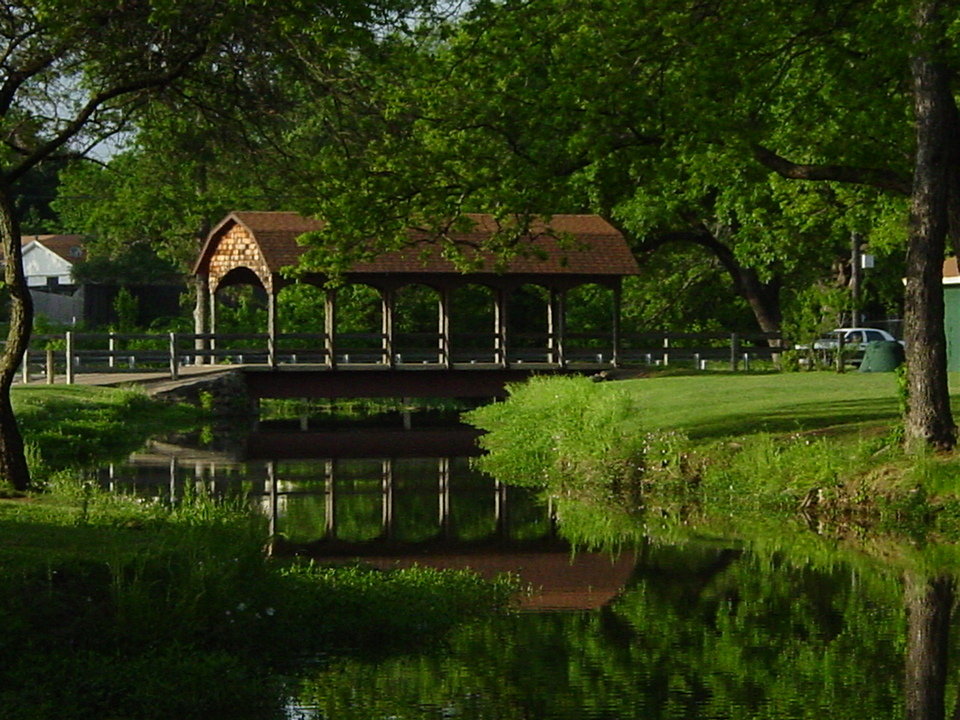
x: 928, y: 419
x: 929, y: 602
x: 13, y: 462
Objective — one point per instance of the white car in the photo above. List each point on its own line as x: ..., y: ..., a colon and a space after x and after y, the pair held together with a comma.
x: 853, y: 338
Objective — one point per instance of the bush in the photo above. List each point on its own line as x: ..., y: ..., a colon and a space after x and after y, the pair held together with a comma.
x: 569, y: 433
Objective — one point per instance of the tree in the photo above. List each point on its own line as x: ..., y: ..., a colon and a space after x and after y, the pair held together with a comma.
x: 74, y: 75
x: 678, y: 122
x: 558, y: 106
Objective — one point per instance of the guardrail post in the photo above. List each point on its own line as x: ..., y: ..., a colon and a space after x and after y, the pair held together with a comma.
x: 734, y: 351
x: 69, y: 352
x: 174, y: 360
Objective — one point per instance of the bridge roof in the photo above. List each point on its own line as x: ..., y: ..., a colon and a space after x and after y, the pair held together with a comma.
x: 594, y: 247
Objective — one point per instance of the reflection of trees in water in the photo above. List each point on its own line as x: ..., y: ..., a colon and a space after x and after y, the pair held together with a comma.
x: 701, y: 632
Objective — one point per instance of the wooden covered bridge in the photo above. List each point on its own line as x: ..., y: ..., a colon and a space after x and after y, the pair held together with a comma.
x: 573, y: 250
x: 476, y: 330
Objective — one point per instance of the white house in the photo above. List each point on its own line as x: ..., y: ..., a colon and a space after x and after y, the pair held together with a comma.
x: 48, y: 260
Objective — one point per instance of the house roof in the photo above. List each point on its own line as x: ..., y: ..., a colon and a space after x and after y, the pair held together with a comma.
x: 595, y: 247
x: 68, y: 247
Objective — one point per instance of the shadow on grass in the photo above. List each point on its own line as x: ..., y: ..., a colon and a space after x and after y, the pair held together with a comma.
x: 797, y: 418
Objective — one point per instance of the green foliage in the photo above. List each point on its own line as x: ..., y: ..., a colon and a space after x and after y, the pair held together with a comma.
x: 814, y: 311
x: 570, y: 433
x: 126, y: 308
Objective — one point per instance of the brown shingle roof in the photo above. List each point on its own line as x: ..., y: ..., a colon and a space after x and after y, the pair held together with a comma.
x: 594, y: 248
x: 66, y: 246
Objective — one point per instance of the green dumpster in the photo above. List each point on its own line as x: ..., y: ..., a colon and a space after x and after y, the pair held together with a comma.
x: 882, y: 356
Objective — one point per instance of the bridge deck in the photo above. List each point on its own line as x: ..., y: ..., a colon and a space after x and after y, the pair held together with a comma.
x: 345, y: 381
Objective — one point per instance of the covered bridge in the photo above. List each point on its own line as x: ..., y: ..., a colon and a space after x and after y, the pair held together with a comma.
x: 568, y: 252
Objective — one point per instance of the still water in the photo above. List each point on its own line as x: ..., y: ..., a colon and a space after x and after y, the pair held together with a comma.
x: 628, y: 616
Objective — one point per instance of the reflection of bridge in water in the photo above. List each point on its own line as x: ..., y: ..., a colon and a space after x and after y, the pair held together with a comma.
x: 346, y: 500
x: 398, y: 510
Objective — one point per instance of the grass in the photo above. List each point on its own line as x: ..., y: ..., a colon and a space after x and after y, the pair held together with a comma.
x: 821, y: 442
x: 724, y: 405
x: 69, y: 426
x: 113, y: 607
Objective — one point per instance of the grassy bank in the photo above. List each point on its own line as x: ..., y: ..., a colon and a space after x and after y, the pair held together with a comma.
x: 115, y: 607
x: 820, y: 442
x: 69, y: 426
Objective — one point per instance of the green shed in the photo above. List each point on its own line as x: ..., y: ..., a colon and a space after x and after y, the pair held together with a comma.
x: 951, y: 319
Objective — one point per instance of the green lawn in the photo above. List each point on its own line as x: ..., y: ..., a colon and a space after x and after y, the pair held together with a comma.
x: 715, y: 405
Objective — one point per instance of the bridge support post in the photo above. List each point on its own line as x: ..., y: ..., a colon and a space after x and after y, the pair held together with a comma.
x: 500, y: 344
x: 272, y: 328
x: 556, y: 327
x: 212, y: 318
x: 387, y: 304
x: 201, y: 318
x: 330, y: 328
x: 443, y: 329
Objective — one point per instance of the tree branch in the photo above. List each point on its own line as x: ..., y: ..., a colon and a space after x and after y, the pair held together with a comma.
x: 875, y: 177
x: 95, y: 103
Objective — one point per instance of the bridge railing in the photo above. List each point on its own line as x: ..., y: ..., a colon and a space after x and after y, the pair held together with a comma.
x: 70, y: 353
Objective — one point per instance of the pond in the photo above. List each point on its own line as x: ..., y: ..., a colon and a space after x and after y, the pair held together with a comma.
x: 628, y: 616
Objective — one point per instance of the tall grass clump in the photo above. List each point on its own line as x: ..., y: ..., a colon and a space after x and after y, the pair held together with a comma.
x: 569, y: 433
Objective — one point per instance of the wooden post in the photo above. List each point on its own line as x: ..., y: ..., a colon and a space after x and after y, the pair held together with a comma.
x: 387, y: 500
x: 174, y: 357
x: 734, y: 351
x: 201, y: 319
x: 69, y: 353
x: 387, y: 301
x: 274, y: 504
x: 556, y: 327
x: 112, y: 348
x: 443, y: 329
x: 500, y: 344
x: 212, y: 316
x: 25, y: 367
x: 444, y: 496
x: 500, y: 509
x: 330, y: 327
x: 330, y: 501
x: 51, y: 367
x: 272, y: 328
